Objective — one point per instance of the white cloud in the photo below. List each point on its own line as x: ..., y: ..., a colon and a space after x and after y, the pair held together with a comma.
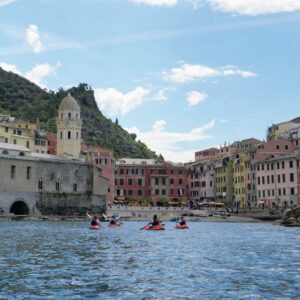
x: 194, y: 98
x: 6, y: 2
x: 188, y: 73
x: 168, y: 143
x: 168, y: 3
x: 9, y: 68
x: 33, y: 38
x: 113, y: 102
x: 160, y: 96
x: 256, y: 7
x: 39, y: 72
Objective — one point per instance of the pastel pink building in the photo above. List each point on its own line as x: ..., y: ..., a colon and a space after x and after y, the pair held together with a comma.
x: 277, y: 181
x: 201, y: 182
x: 104, y: 159
x: 51, y: 137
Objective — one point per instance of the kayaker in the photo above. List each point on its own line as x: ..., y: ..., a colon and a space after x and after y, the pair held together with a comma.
x: 95, y: 221
x: 182, y: 221
x: 113, y: 220
x: 155, y: 221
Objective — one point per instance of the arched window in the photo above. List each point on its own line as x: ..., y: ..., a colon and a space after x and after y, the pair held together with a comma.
x: 77, y: 135
x: 69, y: 135
x: 5, y: 152
x: 61, y: 116
x: 69, y: 116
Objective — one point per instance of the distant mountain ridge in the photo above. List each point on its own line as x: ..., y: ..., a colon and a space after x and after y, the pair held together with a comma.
x: 25, y: 100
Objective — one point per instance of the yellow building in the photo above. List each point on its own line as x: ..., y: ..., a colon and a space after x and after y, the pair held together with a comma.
x: 239, y: 180
x: 17, y: 132
x: 278, y: 131
x: 224, y: 181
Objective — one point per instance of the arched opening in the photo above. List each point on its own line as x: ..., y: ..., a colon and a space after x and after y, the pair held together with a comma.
x: 19, y: 208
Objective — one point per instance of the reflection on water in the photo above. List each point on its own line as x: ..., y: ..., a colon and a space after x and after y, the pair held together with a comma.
x: 65, y: 260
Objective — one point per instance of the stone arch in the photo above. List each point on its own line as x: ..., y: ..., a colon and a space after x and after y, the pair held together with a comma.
x: 19, y: 207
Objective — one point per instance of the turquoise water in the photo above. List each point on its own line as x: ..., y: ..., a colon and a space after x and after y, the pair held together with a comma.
x: 65, y: 260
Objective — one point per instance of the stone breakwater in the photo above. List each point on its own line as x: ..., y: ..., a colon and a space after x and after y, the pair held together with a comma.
x: 290, y: 218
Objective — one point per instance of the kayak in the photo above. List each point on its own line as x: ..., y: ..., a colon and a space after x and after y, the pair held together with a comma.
x: 94, y: 227
x: 114, y: 225
x: 157, y: 227
x: 181, y: 226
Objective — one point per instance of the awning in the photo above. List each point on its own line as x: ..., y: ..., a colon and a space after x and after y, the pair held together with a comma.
x: 261, y: 202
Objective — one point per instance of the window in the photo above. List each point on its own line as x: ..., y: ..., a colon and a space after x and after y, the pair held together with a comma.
x: 76, y: 116
x: 28, y: 173
x: 27, y: 144
x: 6, y: 140
x: 278, y: 178
x: 140, y: 192
x: 258, y: 180
x: 57, y: 185
x: 12, y: 171
x: 15, y: 141
x: 163, y: 192
x: 129, y: 192
x: 140, y: 181
x: 283, y: 177
x: 172, y: 181
x: 6, y: 129
x: 121, y: 171
x: 291, y: 164
x: 77, y: 135
x: 61, y: 135
x: 40, y: 184
x: 69, y: 116
x: 129, y: 181
x: 121, y: 181
x: 163, y: 181
x: 292, y: 191
x: 180, y: 181
x: 69, y: 135
x: 22, y: 153
x: 156, y: 192
x: 61, y: 116
x: 291, y: 177
x: 286, y: 147
x: 282, y: 164
x: 277, y: 147
x: 156, y: 181
x: 278, y: 166
x: 75, y: 187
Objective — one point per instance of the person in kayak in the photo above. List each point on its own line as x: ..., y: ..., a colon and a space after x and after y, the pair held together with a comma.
x: 95, y: 221
x: 155, y: 221
x: 113, y: 220
x: 182, y: 221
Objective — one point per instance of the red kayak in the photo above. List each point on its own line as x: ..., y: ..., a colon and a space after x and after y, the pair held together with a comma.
x: 113, y: 225
x: 157, y: 227
x: 94, y: 227
x: 181, y: 226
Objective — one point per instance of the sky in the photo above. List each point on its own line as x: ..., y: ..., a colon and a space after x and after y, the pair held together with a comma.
x: 184, y: 75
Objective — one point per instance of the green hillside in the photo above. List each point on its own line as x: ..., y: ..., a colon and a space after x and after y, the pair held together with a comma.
x: 26, y: 101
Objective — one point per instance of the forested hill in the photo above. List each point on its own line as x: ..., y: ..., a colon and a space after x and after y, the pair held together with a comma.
x: 26, y: 101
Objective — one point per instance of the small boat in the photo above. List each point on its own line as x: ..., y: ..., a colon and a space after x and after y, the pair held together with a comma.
x: 114, y: 225
x: 94, y: 227
x: 157, y: 227
x: 178, y: 226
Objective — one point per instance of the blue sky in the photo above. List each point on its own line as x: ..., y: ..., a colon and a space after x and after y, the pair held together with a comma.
x: 184, y: 75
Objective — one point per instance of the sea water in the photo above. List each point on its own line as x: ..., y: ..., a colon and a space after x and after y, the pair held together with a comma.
x: 66, y: 260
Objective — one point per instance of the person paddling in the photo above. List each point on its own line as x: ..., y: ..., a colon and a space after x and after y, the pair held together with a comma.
x: 113, y: 220
x: 182, y: 221
x: 95, y: 221
x: 155, y: 221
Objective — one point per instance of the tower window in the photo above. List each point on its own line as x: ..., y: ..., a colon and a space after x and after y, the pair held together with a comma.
x: 61, y: 135
x: 57, y: 185
x: 76, y: 116
x: 75, y: 187
x: 61, y: 116
x: 77, y: 135
x: 40, y: 184
x: 69, y: 116
x: 69, y: 135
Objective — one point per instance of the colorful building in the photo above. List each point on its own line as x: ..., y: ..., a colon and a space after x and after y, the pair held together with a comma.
x: 201, y: 182
x: 149, y: 181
